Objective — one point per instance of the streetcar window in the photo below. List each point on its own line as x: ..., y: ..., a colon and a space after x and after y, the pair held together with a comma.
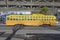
x: 39, y: 18
x: 28, y: 18
x: 22, y: 17
x: 19, y: 17
x: 13, y: 18
x: 36, y: 17
x: 8, y: 18
x: 51, y: 18
x: 31, y: 18
x: 42, y: 18
x: 16, y: 19
x: 54, y: 18
x: 45, y: 19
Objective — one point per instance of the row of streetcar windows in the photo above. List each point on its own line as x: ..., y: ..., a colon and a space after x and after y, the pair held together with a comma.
x: 30, y: 18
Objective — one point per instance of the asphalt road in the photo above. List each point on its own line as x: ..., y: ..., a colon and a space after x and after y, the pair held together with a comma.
x: 25, y: 30
x: 32, y: 30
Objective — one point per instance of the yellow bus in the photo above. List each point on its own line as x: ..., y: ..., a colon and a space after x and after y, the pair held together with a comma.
x: 30, y: 19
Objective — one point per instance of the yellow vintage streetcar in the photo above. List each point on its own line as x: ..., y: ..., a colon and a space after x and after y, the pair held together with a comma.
x: 30, y: 19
